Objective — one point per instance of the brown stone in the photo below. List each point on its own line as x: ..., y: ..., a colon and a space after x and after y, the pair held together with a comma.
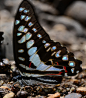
x: 56, y: 95
x: 81, y: 90
x: 9, y: 95
x: 5, y: 87
x: 75, y: 81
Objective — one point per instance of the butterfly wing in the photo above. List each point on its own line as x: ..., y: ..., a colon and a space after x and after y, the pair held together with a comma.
x: 30, y: 41
x: 33, y: 48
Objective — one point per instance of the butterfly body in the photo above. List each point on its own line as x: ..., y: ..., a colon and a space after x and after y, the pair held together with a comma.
x: 35, y: 53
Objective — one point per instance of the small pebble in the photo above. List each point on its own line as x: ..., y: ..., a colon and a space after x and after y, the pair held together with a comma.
x: 9, y: 95
x: 56, y: 95
x: 22, y: 94
x: 76, y: 81
x: 68, y: 89
x: 81, y: 90
x: 73, y: 95
x: 82, y: 75
x: 72, y: 89
x: 48, y: 90
x: 1, y: 82
x: 29, y: 89
x: 6, y: 61
x: 16, y: 88
x: 5, y: 87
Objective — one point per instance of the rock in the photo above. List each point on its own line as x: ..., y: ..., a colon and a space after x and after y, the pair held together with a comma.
x: 22, y: 94
x: 29, y: 89
x: 68, y: 89
x: 72, y: 89
x: 5, y: 87
x: 4, y: 68
x: 9, y: 95
x: 71, y: 25
x: 48, y: 89
x: 56, y: 95
x: 5, y: 77
x: 43, y: 7
x: 41, y: 96
x: 1, y: 82
x: 64, y: 37
x: 16, y: 88
x: 78, y: 11
x: 62, y: 97
x: 82, y: 76
x: 81, y: 90
x: 12, y: 5
x: 73, y: 95
x: 75, y: 47
x: 5, y: 16
x: 75, y: 81
x: 6, y: 61
x: 37, y: 97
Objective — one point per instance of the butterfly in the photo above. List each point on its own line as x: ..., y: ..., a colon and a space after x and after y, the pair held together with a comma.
x: 35, y: 54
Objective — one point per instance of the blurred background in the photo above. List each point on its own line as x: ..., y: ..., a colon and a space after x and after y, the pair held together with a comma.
x: 63, y: 20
